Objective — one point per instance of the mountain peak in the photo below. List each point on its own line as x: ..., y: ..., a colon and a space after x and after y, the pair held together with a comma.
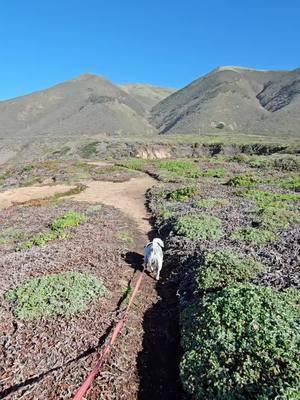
x: 87, y: 76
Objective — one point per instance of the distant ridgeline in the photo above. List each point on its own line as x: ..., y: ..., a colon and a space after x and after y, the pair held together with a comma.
x: 227, y: 100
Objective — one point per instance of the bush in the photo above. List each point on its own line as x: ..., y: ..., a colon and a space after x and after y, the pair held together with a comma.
x: 287, y: 164
x: 210, y: 203
x: 42, y: 238
x: 274, y: 218
x: 199, y: 227
x: 242, y: 343
x: 89, y: 150
x: 178, y: 169
x: 225, y: 267
x: 290, y: 183
x: 182, y: 194
x: 58, y: 230
x: 215, y: 173
x: 243, y: 180
x: 280, y: 163
x: 136, y: 164
x: 265, y: 199
x: 254, y: 236
x: 56, y: 294
x: 69, y: 220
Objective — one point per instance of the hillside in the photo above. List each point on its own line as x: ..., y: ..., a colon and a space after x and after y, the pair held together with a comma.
x: 147, y: 95
x: 227, y: 100
x: 233, y: 99
x: 86, y: 105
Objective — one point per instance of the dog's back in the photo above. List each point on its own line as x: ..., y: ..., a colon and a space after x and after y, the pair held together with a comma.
x: 153, y: 256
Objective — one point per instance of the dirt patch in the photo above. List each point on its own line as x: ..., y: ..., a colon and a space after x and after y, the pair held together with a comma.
x: 24, y: 194
x: 128, y: 196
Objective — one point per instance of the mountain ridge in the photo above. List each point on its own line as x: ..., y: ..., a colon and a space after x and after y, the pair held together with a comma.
x: 229, y: 99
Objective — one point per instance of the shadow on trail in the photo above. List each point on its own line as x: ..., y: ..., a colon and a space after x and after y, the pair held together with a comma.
x: 158, y: 362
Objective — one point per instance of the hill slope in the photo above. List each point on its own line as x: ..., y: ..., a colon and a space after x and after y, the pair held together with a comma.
x: 233, y: 99
x: 88, y: 104
x: 147, y: 95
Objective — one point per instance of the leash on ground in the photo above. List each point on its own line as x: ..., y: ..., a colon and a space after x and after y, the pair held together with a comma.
x: 107, y: 347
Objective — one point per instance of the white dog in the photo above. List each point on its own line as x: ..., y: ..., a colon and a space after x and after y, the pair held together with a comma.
x: 153, y: 256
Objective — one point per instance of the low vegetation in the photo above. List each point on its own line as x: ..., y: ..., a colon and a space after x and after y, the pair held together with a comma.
x: 225, y: 267
x: 180, y: 168
x: 264, y: 199
x: 215, y: 173
x: 54, y: 295
x: 10, y: 235
x: 239, y: 334
x: 89, y: 150
x: 254, y: 236
x: 59, y: 230
x: 69, y: 220
x: 125, y: 237
x: 207, y: 204
x: 290, y: 183
x: 246, y: 180
x: 199, y: 227
x: 274, y: 218
x: 242, y: 343
x: 182, y: 194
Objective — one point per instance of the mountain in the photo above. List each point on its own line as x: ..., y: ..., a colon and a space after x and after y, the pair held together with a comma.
x: 86, y: 105
x: 227, y: 100
x: 233, y: 99
x: 147, y: 95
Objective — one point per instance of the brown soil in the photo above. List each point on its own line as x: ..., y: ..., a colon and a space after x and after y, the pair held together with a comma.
x: 24, y: 194
x: 127, y: 196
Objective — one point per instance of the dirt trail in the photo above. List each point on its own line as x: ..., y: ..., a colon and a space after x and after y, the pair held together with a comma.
x: 23, y: 194
x: 127, y: 196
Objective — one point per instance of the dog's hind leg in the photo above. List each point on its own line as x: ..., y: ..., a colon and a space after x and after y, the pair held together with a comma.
x: 159, y: 267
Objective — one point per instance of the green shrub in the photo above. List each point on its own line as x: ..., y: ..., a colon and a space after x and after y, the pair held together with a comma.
x: 210, y: 203
x: 215, y: 173
x: 264, y: 199
x: 56, y: 294
x: 61, y: 152
x: 254, y: 236
x: 69, y: 220
x: 125, y: 237
x: 242, y: 343
x: 182, y: 194
x: 224, y: 267
x: 287, y: 164
x: 243, y: 180
x: 239, y: 158
x: 43, y: 238
x: 58, y: 230
x: 290, y: 183
x: 4, y: 176
x: 274, y: 218
x: 199, y: 227
x: 178, y: 169
x: 165, y: 212
x: 89, y: 150
x: 136, y: 164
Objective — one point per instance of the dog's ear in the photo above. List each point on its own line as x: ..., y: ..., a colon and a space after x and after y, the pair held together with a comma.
x: 161, y: 243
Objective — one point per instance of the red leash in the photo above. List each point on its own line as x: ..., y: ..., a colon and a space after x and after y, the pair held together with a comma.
x: 106, y: 350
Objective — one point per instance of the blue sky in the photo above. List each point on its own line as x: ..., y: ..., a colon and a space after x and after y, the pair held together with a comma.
x: 163, y: 42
